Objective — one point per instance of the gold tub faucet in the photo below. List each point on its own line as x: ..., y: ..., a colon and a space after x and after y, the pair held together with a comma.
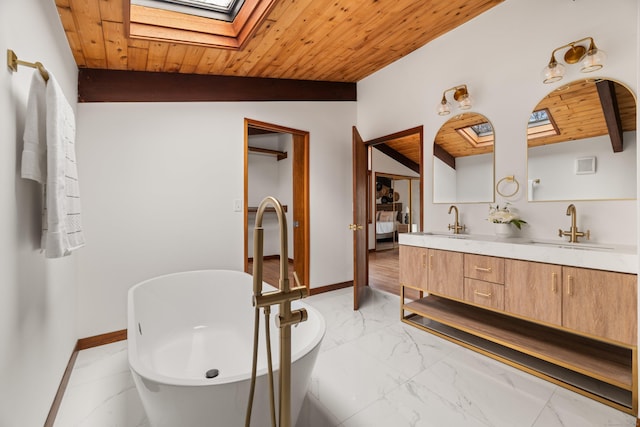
x: 573, y: 232
x: 286, y: 316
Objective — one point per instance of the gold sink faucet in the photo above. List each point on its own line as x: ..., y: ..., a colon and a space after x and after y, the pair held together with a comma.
x: 573, y: 232
x: 456, y: 227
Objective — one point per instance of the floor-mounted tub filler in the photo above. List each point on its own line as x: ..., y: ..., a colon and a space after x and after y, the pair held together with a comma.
x: 190, y: 349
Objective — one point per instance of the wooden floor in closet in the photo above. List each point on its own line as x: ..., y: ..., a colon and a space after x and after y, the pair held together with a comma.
x: 271, y: 271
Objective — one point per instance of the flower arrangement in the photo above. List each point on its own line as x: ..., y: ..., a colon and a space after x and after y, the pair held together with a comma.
x: 503, y: 215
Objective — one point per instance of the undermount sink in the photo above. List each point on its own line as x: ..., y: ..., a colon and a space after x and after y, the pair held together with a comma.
x: 578, y: 246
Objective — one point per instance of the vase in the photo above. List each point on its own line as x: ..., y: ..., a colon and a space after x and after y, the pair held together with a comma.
x: 503, y: 230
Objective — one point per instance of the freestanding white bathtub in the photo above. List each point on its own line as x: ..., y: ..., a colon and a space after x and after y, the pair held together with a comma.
x: 182, y: 325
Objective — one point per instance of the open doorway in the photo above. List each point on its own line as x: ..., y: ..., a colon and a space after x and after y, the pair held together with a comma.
x: 277, y: 164
x: 395, y: 161
x: 397, y: 200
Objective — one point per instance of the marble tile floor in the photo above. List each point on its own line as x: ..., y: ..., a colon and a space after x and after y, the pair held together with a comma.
x: 372, y: 371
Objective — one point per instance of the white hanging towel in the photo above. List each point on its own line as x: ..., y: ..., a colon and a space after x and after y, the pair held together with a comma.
x: 49, y: 158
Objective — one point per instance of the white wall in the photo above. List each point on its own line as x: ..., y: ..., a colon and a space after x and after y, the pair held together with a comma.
x: 504, y: 53
x: 37, y: 296
x: 154, y: 204
x: 470, y: 181
x: 444, y: 182
x: 554, y: 165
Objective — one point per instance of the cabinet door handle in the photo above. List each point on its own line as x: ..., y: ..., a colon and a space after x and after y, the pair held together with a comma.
x: 424, y: 260
x: 569, y: 285
x: 554, y: 282
x: 483, y: 269
x: 431, y: 262
x: 481, y: 294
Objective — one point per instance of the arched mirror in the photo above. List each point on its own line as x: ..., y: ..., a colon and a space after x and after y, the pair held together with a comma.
x: 581, y: 141
x: 463, y: 161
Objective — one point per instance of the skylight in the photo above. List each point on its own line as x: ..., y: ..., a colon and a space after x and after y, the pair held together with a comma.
x: 210, y: 23
x: 217, y: 5
x: 541, y: 124
x: 483, y: 129
x: 479, y: 135
x: 538, y: 117
x: 223, y: 10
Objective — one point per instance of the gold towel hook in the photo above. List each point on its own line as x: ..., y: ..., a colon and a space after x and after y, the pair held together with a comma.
x: 13, y: 62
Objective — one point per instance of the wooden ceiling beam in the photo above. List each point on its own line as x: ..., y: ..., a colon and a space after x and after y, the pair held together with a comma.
x: 97, y: 85
x: 444, y: 155
x: 400, y: 158
x: 609, y: 102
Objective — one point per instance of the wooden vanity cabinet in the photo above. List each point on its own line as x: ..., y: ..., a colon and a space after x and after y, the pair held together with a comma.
x: 600, y: 303
x: 533, y: 290
x: 413, y: 267
x: 576, y: 327
x: 484, y: 280
x: 432, y: 270
x: 594, y: 302
x: 446, y: 273
x: 483, y: 267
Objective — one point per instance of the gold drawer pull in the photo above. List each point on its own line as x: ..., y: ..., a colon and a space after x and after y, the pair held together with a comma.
x: 554, y: 282
x: 483, y: 269
x: 569, y: 285
x: 424, y: 260
x: 480, y: 294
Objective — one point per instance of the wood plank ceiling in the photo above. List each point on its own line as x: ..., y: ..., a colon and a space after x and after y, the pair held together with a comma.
x: 325, y: 40
x: 579, y: 112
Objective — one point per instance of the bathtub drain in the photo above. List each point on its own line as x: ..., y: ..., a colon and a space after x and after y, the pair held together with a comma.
x: 212, y: 373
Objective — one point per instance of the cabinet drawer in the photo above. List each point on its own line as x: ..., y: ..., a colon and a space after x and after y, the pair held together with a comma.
x: 484, y: 267
x: 484, y: 293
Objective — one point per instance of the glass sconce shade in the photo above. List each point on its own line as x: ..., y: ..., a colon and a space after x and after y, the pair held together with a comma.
x: 593, y: 60
x: 444, y: 108
x: 465, y: 102
x: 553, y: 72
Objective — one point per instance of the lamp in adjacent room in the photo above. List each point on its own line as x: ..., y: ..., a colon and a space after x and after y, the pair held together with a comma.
x: 591, y: 57
x: 460, y: 94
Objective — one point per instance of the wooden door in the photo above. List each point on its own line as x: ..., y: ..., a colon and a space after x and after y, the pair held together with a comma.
x: 301, y: 207
x: 446, y: 273
x: 413, y: 267
x: 600, y: 303
x: 359, y: 225
x: 533, y: 290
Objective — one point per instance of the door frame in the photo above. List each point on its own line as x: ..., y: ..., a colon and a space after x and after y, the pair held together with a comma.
x: 300, y: 183
x: 368, y: 144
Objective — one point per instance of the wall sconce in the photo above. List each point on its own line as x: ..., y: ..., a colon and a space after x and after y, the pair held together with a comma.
x: 592, y: 59
x: 460, y: 94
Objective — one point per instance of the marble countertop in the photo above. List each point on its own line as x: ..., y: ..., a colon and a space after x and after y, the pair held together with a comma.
x: 618, y: 258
